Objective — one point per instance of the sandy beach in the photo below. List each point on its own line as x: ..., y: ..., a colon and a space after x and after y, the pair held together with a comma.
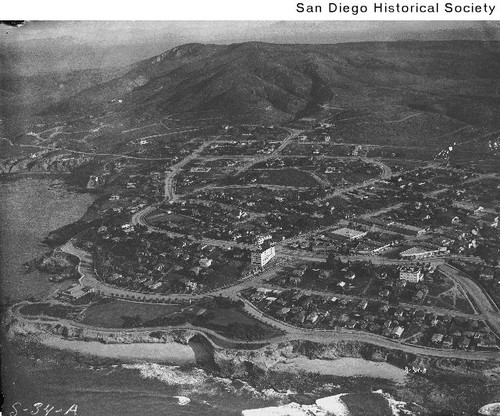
x: 170, y: 352
x: 344, y: 367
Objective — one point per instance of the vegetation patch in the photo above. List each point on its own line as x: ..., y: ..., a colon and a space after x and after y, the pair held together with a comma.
x: 287, y: 177
x: 118, y: 313
x: 55, y: 311
x: 222, y: 316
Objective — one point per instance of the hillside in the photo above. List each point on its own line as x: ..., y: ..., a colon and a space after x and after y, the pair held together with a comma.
x: 409, y: 93
x: 259, y: 81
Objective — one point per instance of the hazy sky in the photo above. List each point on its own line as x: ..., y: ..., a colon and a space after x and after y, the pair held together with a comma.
x: 40, y: 47
x: 118, y: 32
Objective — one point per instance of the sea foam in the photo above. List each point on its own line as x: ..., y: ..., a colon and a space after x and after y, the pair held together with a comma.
x: 331, y: 405
x: 171, y: 375
x: 290, y: 409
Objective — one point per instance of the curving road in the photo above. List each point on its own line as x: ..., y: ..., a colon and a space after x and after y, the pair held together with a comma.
x: 483, y: 302
x: 89, y: 278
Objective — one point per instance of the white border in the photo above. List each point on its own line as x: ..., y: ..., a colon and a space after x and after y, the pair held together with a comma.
x: 225, y: 10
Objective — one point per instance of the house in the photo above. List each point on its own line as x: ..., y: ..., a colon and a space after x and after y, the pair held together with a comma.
x: 102, y: 229
x: 419, y: 296
x: 487, y: 274
x: 448, y: 341
x: 351, y: 324
x: 312, y: 317
x: 384, y: 308
x: 437, y: 338
x: 301, y: 317
x: 397, y: 332
x: 204, y: 262
x: 196, y: 270
x: 200, y: 169
x: 464, y: 343
x: 350, y: 275
x: 363, y: 304
x: 478, y: 210
x: 419, y: 315
x: 343, y: 318
x: 283, y: 311
x: 324, y: 274
x: 189, y: 285
x: 401, y: 283
x: 386, y: 332
x: 155, y: 286
x: 434, y: 320
x: 299, y: 272
x: 384, y: 293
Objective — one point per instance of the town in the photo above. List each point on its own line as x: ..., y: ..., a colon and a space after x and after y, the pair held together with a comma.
x: 298, y: 227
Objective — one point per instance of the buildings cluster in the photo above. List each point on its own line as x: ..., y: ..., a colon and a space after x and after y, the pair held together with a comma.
x: 410, y: 324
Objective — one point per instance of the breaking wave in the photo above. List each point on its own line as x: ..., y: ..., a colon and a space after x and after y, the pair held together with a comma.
x: 331, y: 405
x: 171, y: 375
x: 197, y: 381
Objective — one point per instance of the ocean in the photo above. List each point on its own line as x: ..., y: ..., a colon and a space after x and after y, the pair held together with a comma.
x: 31, y: 207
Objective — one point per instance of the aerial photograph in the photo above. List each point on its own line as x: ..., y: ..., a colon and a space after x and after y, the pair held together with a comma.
x: 250, y: 218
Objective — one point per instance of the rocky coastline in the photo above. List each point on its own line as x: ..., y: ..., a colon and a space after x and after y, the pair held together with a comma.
x: 259, y: 367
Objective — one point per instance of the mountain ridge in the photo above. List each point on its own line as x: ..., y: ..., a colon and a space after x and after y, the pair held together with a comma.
x: 289, y: 81
x: 271, y: 83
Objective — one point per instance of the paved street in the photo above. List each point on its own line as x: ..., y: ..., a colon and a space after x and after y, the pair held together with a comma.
x: 291, y: 332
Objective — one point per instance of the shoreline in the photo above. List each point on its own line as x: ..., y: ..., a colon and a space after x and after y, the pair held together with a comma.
x: 164, y: 353
x: 344, y: 367
x: 273, y: 367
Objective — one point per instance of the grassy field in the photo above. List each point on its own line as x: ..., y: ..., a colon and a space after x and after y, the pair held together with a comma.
x: 287, y: 177
x: 158, y: 218
x: 56, y: 311
x: 109, y: 315
x: 230, y: 322
x: 230, y: 316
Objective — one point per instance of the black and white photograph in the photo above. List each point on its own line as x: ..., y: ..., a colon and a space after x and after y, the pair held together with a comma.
x: 250, y: 218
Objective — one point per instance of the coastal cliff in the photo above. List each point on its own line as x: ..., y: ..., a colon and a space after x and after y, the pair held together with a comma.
x: 274, y: 367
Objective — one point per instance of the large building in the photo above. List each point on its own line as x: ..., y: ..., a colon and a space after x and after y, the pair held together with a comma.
x: 405, y: 228
x: 260, y: 239
x: 349, y: 233
x: 422, y: 253
x: 262, y: 256
x: 76, y: 292
x: 411, y: 274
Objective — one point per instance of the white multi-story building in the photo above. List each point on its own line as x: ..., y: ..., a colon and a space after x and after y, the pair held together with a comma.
x: 411, y: 274
x: 261, y: 257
